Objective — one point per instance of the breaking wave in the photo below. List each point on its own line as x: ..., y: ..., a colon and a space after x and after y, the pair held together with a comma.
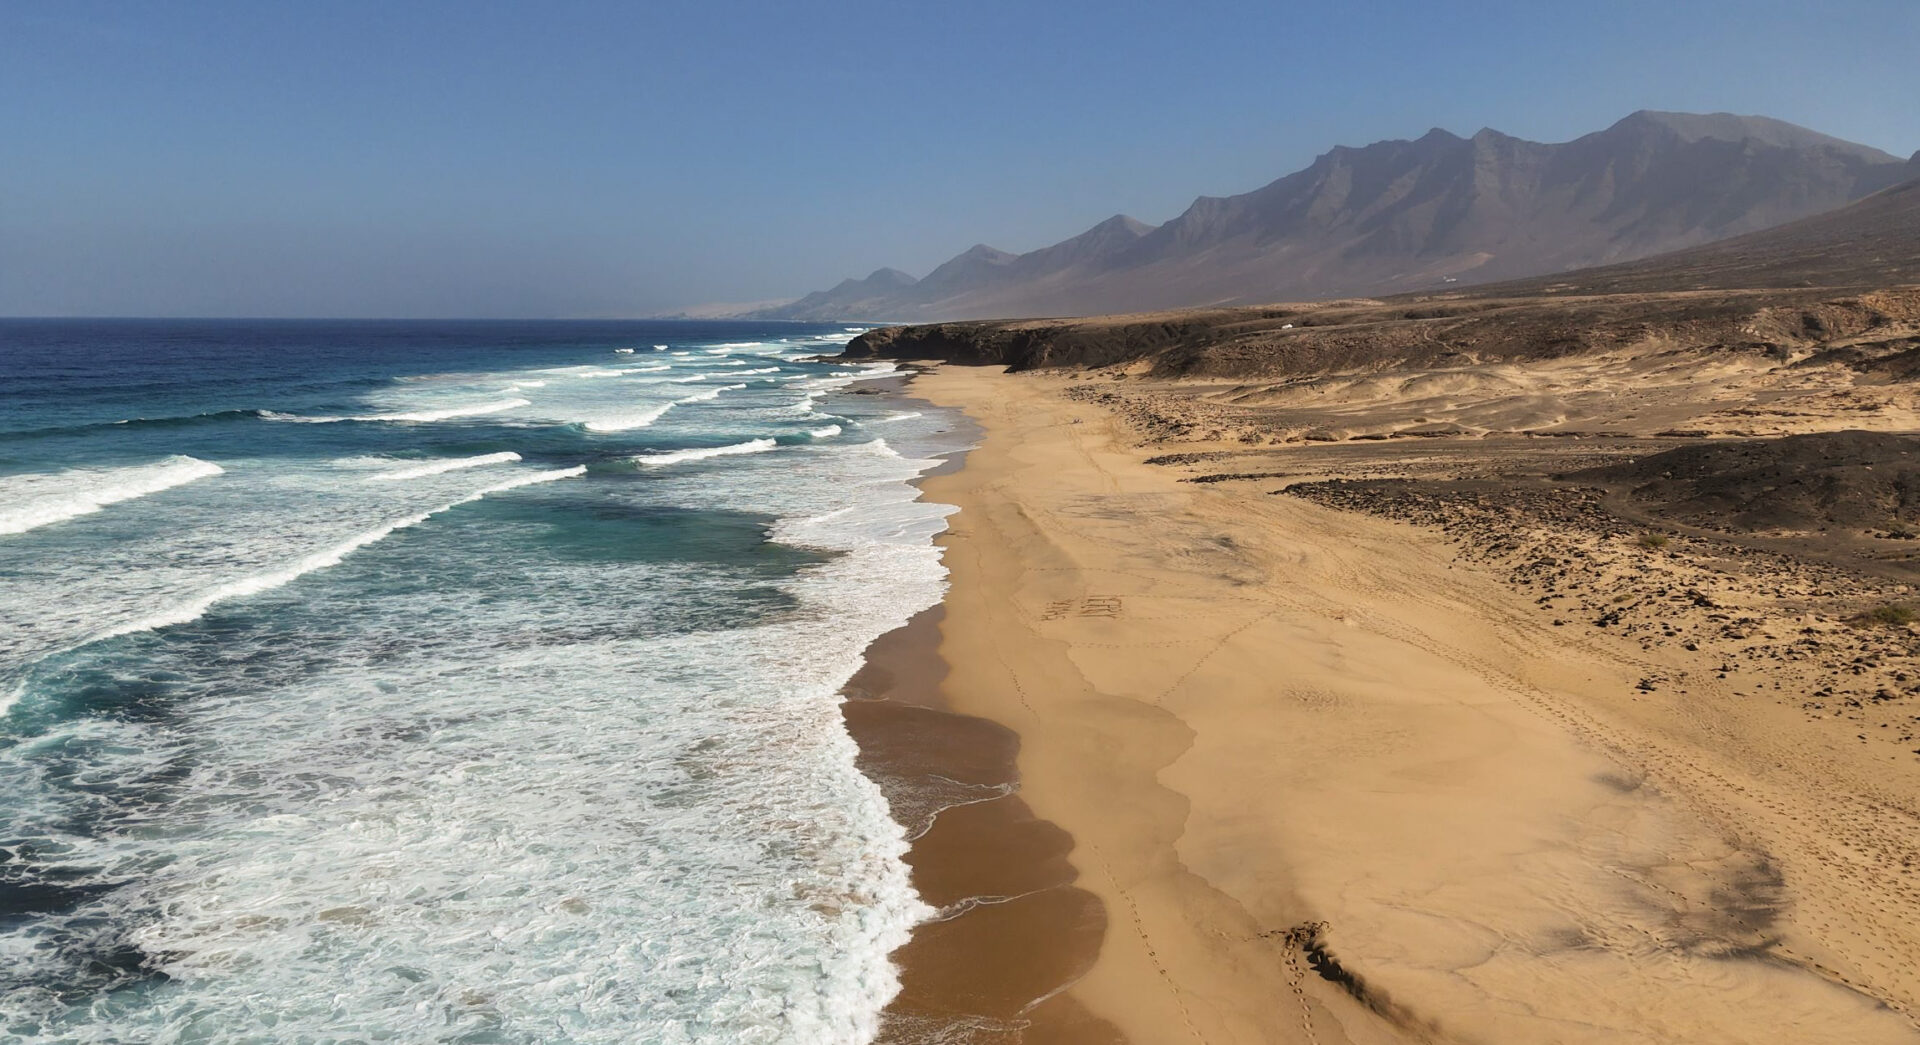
x: 422, y: 416
x: 182, y: 612
x: 31, y: 501
x: 751, y: 446
x: 629, y: 421
x: 450, y: 465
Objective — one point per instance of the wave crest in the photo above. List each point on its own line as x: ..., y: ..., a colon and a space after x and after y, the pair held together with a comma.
x: 191, y: 609
x: 448, y: 465
x: 626, y: 422
x: 751, y: 446
x: 31, y: 501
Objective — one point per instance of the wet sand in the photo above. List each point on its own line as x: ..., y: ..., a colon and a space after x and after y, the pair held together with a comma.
x: 1013, y: 931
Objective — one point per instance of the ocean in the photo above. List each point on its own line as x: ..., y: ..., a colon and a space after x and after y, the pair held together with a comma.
x: 447, y: 681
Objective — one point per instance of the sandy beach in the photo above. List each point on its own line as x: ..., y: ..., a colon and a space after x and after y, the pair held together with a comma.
x: 1328, y: 779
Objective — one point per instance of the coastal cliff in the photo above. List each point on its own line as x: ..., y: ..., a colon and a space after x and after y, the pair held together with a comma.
x: 1035, y: 344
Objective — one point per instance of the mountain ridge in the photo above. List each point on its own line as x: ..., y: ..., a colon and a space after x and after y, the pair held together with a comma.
x: 1404, y: 215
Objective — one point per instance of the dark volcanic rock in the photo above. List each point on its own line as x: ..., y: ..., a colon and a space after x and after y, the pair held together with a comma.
x: 1281, y: 342
x: 1847, y: 480
x: 1035, y: 344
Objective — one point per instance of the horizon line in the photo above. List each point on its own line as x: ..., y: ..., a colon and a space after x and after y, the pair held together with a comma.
x: 408, y: 319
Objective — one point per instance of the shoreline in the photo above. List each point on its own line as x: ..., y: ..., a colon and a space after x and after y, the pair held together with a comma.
x: 1013, y: 931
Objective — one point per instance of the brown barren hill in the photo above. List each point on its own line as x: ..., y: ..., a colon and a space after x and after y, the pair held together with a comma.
x: 1874, y: 242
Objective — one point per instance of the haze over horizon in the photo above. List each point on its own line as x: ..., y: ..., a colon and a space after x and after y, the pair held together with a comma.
x: 228, y: 160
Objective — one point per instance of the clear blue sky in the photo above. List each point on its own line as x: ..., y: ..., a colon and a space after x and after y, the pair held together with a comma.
x: 603, y: 159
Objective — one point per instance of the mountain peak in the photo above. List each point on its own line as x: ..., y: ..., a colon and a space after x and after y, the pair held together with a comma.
x: 1436, y: 138
x: 975, y: 263
x: 889, y: 277
x: 1729, y: 127
x: 1122, y: 223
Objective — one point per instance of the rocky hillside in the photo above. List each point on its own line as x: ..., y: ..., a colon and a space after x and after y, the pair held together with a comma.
x: 1872, y: 243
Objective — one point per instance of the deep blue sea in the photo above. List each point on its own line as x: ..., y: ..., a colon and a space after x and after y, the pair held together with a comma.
x: 447, y: 682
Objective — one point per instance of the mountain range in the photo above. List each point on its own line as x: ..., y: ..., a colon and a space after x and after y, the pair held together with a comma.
x: 1403, y: 216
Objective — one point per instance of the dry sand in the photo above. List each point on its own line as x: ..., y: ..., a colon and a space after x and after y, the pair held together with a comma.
x: 1332, y: 784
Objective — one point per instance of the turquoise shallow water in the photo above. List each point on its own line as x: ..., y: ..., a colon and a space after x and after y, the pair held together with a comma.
x: 447, y: 682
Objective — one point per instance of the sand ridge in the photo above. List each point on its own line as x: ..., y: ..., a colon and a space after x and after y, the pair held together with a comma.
x: 1332, y: 785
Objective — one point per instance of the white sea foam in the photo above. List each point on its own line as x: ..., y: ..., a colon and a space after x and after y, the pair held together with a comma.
x: 648, y: 369
x: 622, y: 422
x: 658, y: 348
x: 182, y: 612
x: 623, y: 351
x: 302, y: 419
x: 757, y: 370
x: 597, y: 841
x: 751, y: 446
x: 712, y: 393
x: 440, y: 414
x: 450, y: 464
x: 906, y: 416
x: 449, y: 412
x: 30, y: 501
x: 478, y: 792
x: 13, y: 696
x: 580, y: 371
x: 823, y: 433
